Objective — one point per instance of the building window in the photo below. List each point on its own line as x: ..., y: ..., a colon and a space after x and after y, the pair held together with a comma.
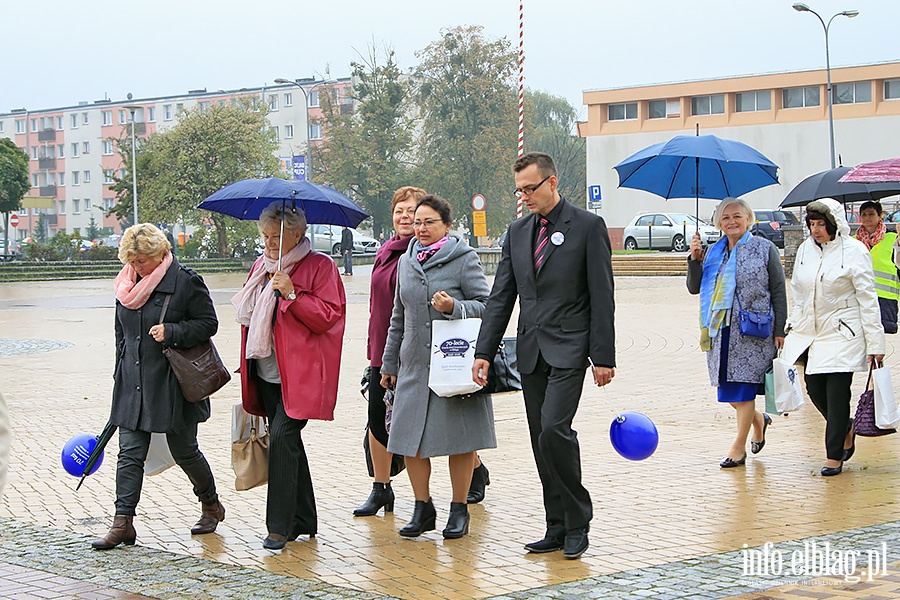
x: 75, y: 177
x: 122, y: 173
x: 107, y: 117
x: 657, y: 109
x: 85, y: 147
x: 34, y: 125
x: 123, y: 117
x: 275, y: 129
x: 61, y: 151
x: 708, y: 105
x: 75, y: 150
x: 73, y: 121
x: 107, y: 147
x: 753, y: 101
x: 205, y: 105
x: 800, y: 97
x: 315, y: 131
x: 273, y: 102
x: 108, y: 203
x: 60, y: 207
x: 167, y: 112
x: 86, y: 176
x: 622, y: 112
x: 34, y: 153
x: 179, y: 109
x: 288, y: 132
x: 76, y: 206
x: 853, y: 93
x: 108, y: 176
x: 151, y: 114
x: 288, y: 99
x: 60, y: 122
x: 62, y: 178
x: 34, y: 180
x: 892, y: 89
x: 20, y: 126
x: 314, y: 98
x: 87, y: 205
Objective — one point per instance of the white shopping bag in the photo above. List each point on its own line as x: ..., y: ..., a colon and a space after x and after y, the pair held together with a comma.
x: 452, y: 356
x: 788, y: 391
x: 237, y: 419
x: 887, y: 415
x: 159, y: 457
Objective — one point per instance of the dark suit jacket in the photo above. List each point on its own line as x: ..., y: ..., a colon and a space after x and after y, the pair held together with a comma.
x: 567, y: 310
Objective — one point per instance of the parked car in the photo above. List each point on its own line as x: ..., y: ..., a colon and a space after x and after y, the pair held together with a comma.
x: 768, y: 224
x: 671, y: 231
x: 328, y: 239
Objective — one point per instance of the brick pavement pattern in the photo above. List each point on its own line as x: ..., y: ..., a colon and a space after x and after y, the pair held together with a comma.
x: 673, y: 526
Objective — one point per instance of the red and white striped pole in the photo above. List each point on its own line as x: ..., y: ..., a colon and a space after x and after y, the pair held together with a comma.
x: 521, y: 146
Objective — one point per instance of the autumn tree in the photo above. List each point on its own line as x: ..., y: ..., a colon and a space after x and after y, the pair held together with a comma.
x: 467, y: 98
x: 208, y: 149
x: 366, y: 152
x: 551, y: 128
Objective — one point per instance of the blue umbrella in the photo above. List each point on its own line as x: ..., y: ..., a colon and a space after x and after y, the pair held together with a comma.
x: 702, y: 166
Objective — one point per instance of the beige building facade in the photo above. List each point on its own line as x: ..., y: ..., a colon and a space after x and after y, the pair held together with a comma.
x: 783, y: 115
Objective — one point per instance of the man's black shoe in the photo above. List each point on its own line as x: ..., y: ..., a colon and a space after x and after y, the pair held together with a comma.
x: 576, y: 542
x: 548, y: 544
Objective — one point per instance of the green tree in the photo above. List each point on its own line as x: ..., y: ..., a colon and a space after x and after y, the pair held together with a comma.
x: 13, y: 181
x: 550, y: 127
x: 93, y: 230
x: 367, y: 153
x: 468, y: 102
x: 208, y: 149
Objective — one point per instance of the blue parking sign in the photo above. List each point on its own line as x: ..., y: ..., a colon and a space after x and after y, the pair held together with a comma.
x: 594, y: 193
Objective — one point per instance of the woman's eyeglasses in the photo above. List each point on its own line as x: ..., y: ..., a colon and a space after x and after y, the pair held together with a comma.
x: 427, y: 223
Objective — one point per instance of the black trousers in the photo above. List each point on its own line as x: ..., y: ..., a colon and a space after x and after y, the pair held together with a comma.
x: 551, y: 400
x: 830, y: 393
x: 290, y: 502
x: 133, y: 447
x: 377, y: 408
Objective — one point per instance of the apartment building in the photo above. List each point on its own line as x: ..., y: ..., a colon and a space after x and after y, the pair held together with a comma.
x: 73, y: 156
x: 783, y: 115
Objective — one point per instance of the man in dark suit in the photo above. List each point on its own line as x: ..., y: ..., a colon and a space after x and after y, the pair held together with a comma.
x: 558, y: 262
x: 347, y: 250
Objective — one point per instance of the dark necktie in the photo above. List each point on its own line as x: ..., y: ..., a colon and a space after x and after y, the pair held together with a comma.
x: 541, y: 245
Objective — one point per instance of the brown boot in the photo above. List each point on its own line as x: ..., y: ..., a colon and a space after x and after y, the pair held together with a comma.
x: 121, y: 532
x: 209, y: 519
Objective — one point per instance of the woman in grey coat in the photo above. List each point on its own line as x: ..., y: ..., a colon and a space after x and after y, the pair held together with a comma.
x: 146, y: 394
x: 739, y: 272
x: 439, y: 277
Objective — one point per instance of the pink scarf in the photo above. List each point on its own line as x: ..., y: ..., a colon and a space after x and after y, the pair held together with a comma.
x: 255, y: 303
x: 871, y: 239
x: 426, y: 252
x: 134, y: 294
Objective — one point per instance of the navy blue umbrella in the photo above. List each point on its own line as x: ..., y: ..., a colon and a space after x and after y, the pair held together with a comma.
x: 702, y: 166
x: 246, y: 199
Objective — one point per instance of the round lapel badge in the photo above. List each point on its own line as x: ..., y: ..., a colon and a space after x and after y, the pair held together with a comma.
x: 557, y: 238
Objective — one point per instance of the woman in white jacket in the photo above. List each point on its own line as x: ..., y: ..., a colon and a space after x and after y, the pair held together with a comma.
x: 834, y: 327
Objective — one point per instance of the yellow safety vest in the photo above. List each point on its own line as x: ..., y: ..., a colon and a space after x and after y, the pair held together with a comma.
x: 887, y: 284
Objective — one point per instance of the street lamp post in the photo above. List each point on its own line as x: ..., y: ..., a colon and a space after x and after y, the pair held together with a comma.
x: 800, y: 7
x: 133, y: 161
x: 306, y: 93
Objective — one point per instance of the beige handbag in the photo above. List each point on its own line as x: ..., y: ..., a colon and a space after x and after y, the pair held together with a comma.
x: 250, y: 455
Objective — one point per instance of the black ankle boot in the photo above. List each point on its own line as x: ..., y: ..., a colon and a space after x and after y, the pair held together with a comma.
x: 382, y: 495
x: 458, y: 523
x: 422, y: 519
x: 480, y: 479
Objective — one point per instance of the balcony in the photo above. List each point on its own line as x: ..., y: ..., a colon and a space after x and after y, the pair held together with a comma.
x: 48, y: 191
x: 47, y: 135
x: 47, y: 163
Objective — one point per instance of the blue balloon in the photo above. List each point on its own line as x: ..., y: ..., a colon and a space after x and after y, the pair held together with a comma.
x: 634, y: 435
x: 76, y: 452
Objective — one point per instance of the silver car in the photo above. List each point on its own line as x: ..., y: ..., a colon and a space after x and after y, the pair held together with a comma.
x: 328, y: 239
x: 667, y: 231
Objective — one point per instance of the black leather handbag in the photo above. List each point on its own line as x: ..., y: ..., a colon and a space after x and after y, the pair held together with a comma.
x: 503, y: 375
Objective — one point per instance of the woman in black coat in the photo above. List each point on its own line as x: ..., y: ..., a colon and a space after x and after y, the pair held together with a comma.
x: 146, y: 395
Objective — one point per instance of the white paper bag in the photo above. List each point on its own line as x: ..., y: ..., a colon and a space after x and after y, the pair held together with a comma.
x: 452, y: 356
x: 887, y: 415
x: 788, y: 390
x: 159, y: 457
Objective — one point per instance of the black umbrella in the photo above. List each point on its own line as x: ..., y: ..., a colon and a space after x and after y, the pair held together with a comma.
x: 102, y: 441
x: 826, y: 185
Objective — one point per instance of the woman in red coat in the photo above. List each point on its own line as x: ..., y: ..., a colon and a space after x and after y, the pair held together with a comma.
x: 290, y: 360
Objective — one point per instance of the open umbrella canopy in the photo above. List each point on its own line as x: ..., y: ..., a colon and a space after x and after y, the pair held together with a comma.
x: 703, y: 166
x: 827, y: 184
x: 247, y: 198
x: 882, y: 171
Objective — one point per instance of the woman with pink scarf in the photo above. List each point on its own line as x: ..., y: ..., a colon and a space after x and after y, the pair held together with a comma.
x: 146, y: 394
x: 292, y: 311
x: 882, y: 245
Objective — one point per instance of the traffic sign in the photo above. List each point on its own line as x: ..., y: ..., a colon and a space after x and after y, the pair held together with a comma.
x: 14, y: 220
x: 478, y: 202
x: 594, y: 193
x: 479, y: 217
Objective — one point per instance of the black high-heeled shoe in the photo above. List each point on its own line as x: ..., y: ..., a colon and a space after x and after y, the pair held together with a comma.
x: 832, y: 471
x: 458, y: 523
x: 848, y: 452
x: 423, y: 519
x: 481, y: 478
x: 756, y: 447
x: 729, y: 462
x: 270, y: 543
x: 381, y: 496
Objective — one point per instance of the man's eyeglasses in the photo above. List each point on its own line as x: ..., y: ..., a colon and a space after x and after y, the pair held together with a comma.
x: 427, y: 223
x: 530, y: 189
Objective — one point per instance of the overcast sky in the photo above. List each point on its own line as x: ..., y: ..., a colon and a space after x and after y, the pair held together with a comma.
x: 61, y: 52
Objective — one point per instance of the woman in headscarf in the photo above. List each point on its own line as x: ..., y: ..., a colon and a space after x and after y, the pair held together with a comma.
x: 292, y: 310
